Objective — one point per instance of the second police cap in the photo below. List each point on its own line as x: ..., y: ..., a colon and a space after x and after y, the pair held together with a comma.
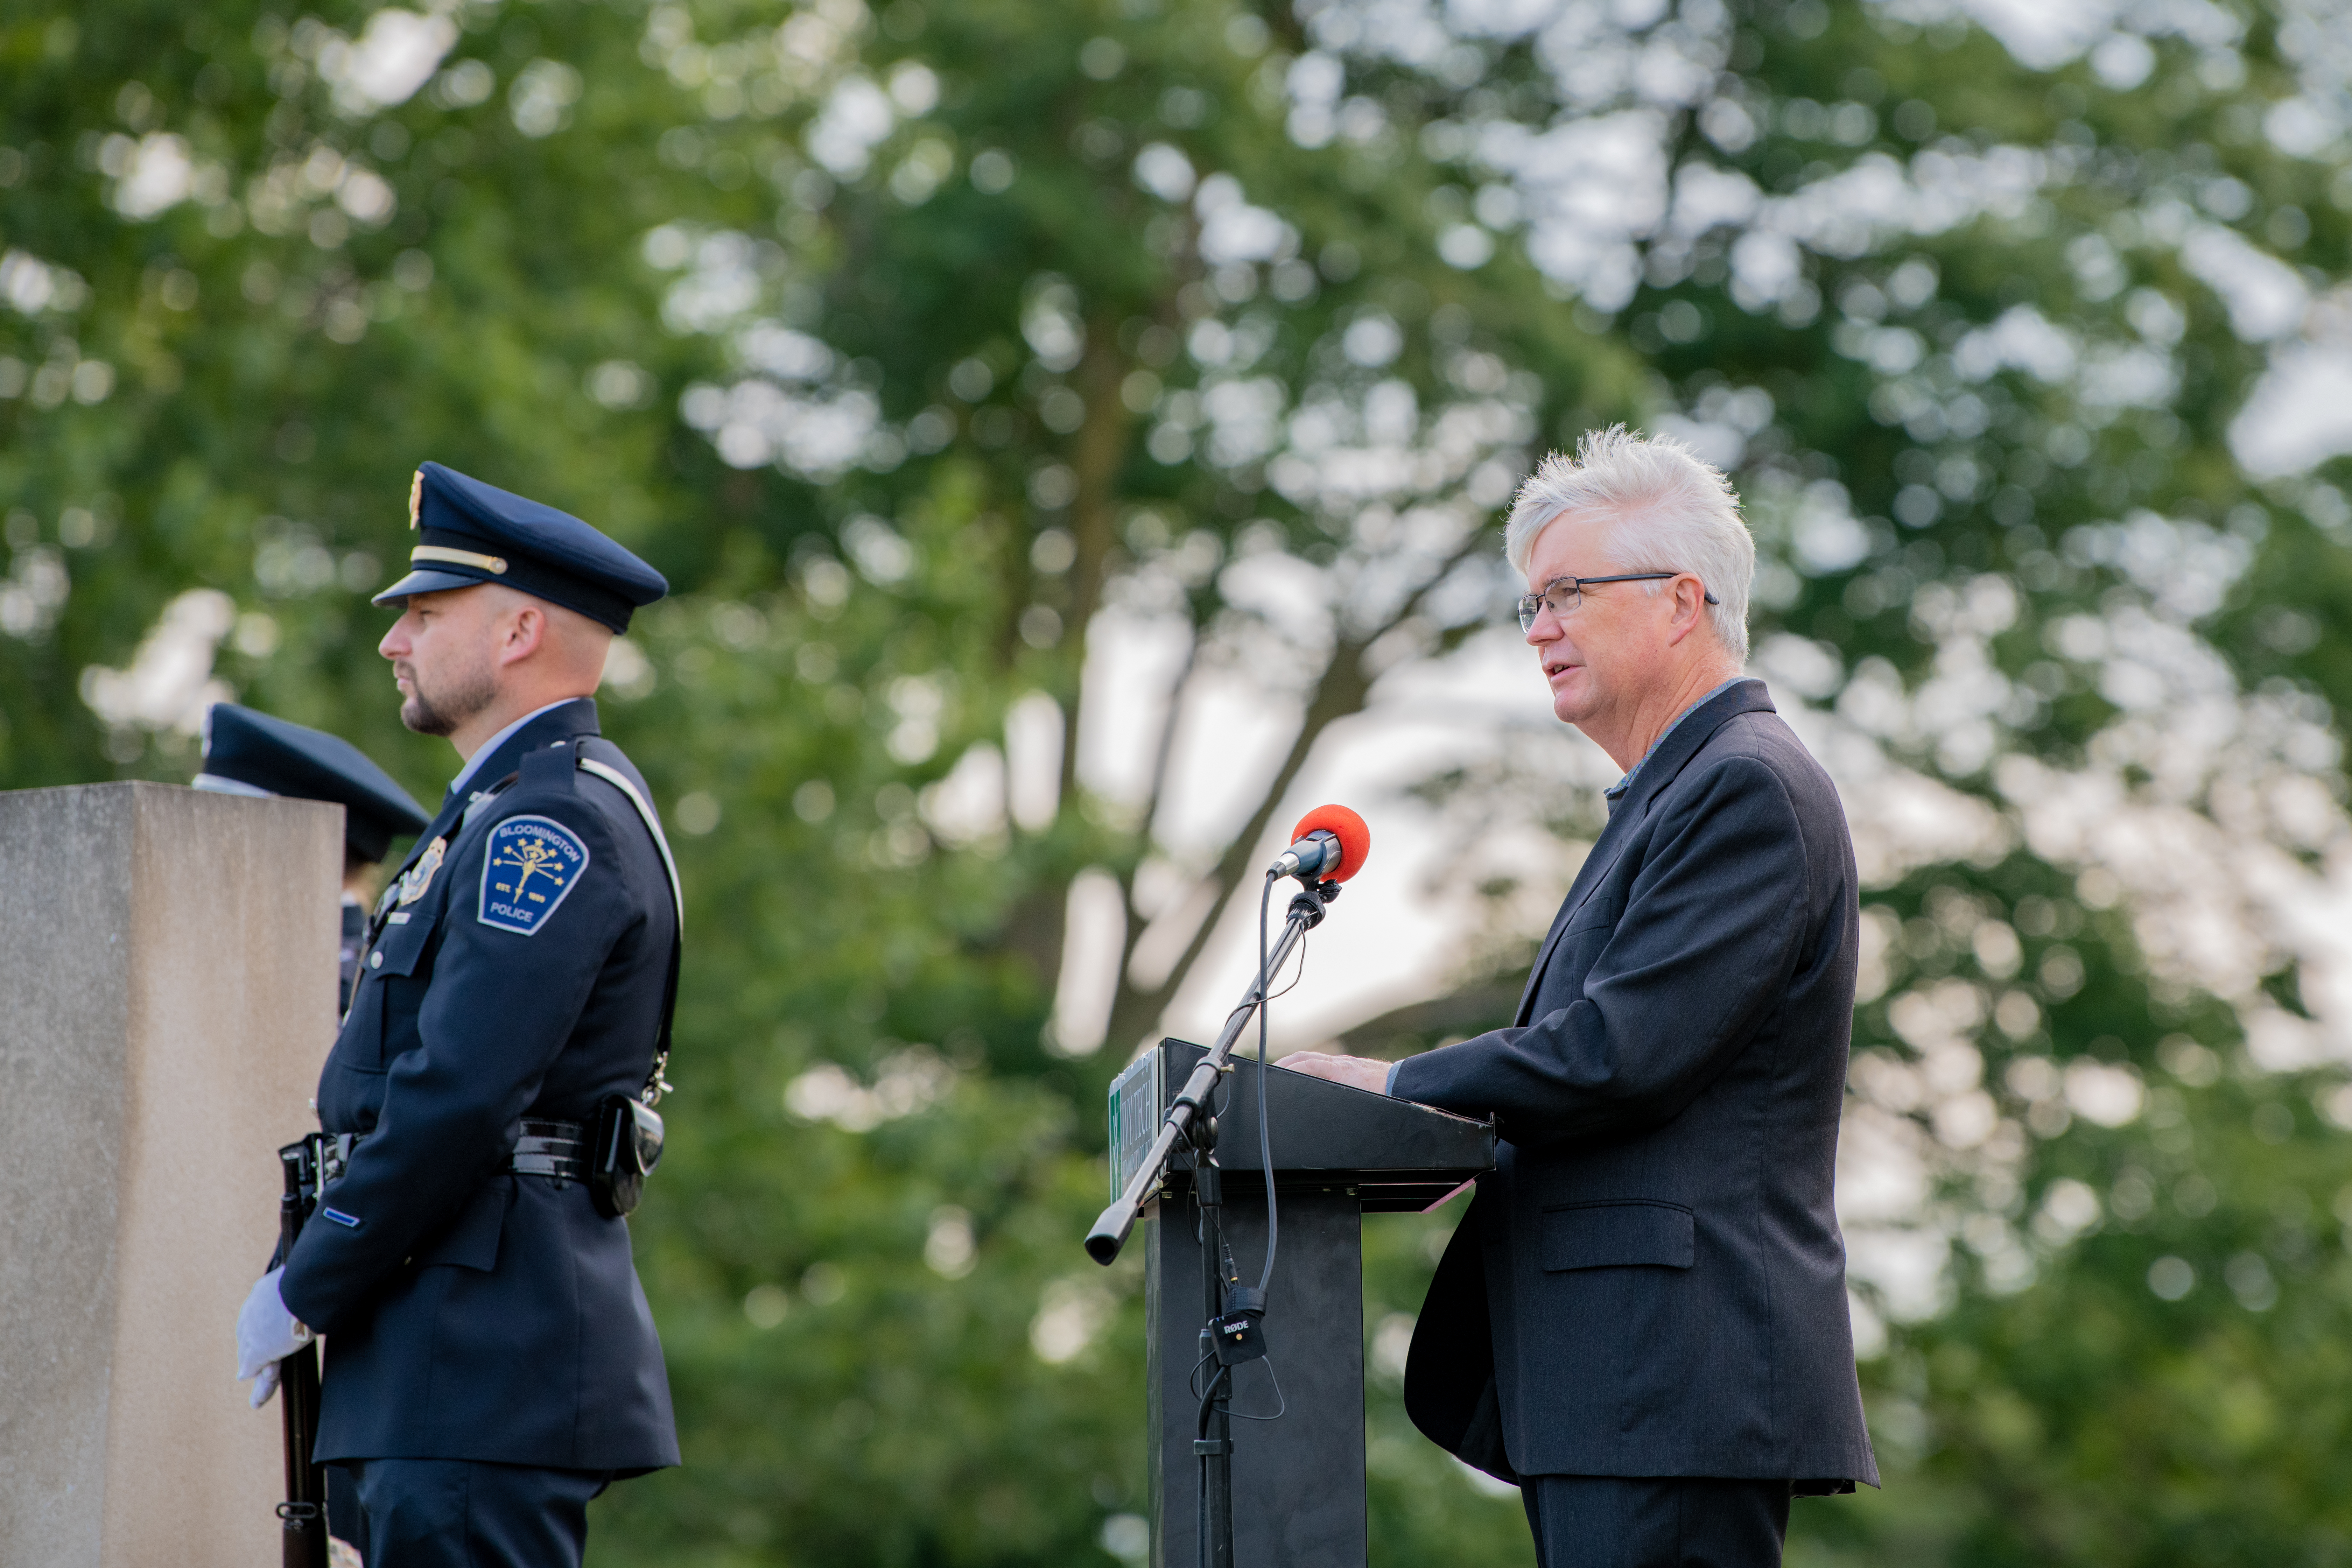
x: 472, y: 532
x: 247, y: 752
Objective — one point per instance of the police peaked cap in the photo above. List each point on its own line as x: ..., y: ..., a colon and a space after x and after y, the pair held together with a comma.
x: 473, y: 532
x: 249, y: 753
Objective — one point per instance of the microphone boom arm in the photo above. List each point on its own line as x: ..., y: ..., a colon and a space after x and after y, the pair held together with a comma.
x: 1111, y: 1228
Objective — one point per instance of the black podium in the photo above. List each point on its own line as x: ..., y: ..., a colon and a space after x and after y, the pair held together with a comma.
x: 1338, y: 1154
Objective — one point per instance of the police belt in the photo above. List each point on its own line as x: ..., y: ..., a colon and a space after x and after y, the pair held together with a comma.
x: 551, y: 1149
x: 557, y: 1148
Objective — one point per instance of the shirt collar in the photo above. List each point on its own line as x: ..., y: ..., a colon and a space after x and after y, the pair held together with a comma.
x: 1616, y: 792
x: 491, y: 745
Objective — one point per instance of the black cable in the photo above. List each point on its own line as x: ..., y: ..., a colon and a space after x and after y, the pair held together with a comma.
x: 1301, y: 950
x: 1209, y: 1400
x: 1281, y: 1400
x: 1219, y: 1092
x: 1265, y: 1137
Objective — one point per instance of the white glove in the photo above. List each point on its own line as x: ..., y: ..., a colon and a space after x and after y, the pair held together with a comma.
x: 266, y: 1335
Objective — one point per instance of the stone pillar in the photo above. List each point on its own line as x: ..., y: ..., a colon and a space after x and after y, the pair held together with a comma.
x: 167, y: 993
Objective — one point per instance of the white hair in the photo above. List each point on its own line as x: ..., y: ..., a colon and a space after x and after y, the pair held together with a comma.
x: 1668, y: 511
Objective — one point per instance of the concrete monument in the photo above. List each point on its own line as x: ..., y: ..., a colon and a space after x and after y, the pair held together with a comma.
x: 167, y: 992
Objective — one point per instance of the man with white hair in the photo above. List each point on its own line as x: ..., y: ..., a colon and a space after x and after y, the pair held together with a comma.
x: 1642, y: 1319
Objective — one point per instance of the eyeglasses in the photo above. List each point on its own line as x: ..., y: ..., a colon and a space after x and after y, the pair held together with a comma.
x: 1561, y: 596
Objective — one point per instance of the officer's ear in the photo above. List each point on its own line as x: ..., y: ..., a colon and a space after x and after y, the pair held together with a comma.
x: 524, y: 629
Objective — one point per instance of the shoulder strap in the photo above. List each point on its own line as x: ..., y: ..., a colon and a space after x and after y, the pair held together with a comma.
x: 655, y: 1083
x: 619, y: 781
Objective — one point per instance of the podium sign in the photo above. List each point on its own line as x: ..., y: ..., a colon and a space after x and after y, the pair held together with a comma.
x: 1338, y: 1154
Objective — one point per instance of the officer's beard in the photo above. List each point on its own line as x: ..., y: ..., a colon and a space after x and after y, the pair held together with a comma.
x: 441, y: 711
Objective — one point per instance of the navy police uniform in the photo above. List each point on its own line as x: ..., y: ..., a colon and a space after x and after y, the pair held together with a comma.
x: 247, y: 752
x: 491, y: 1362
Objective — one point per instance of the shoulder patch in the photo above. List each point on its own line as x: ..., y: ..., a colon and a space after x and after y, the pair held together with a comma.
x: 527, y: 871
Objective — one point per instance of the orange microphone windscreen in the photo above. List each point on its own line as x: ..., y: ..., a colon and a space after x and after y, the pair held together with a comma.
x: 1355, y: 838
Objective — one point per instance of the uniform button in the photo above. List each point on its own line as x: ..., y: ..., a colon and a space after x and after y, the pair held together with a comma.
x: 375, y: 961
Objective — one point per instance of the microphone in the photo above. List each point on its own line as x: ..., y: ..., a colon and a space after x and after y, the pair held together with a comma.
x: 1307, y: 858
x: 1329, y: 846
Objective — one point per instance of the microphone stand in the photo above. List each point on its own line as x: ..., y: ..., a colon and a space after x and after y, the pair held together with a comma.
x: 1212, y: 1445
x: 1190, y: 1121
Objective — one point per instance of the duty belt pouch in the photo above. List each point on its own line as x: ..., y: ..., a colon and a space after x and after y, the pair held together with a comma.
x: 628, y: 1146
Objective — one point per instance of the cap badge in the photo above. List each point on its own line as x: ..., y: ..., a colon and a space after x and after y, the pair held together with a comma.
x: 415, y: 496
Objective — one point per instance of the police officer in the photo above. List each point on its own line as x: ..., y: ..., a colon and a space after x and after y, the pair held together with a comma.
x: 252, y: 753
x: 491, y: 1363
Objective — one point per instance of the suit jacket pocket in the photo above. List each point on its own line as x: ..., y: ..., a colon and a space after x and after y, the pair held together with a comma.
x: 1598, y: 913
x: 359, y: 1045
x: 1630, y: 1233
x: 402, y: 944
x: 471, y: 1240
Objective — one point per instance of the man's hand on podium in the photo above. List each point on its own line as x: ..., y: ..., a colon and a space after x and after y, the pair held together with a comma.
x: 1367, y: 1073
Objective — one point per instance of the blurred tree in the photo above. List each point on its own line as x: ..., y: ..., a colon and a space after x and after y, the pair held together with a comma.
x: 1014, y: 393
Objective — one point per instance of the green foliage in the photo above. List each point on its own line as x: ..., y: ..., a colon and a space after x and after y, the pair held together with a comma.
x: 935, y: 353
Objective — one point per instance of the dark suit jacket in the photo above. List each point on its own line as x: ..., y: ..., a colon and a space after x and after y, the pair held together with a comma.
x: 1652, y: 1283
x: 472, y: 1313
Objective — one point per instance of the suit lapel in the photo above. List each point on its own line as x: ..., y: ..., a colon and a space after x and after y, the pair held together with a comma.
x: 1661, y: 768
x: 1597, y: 862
